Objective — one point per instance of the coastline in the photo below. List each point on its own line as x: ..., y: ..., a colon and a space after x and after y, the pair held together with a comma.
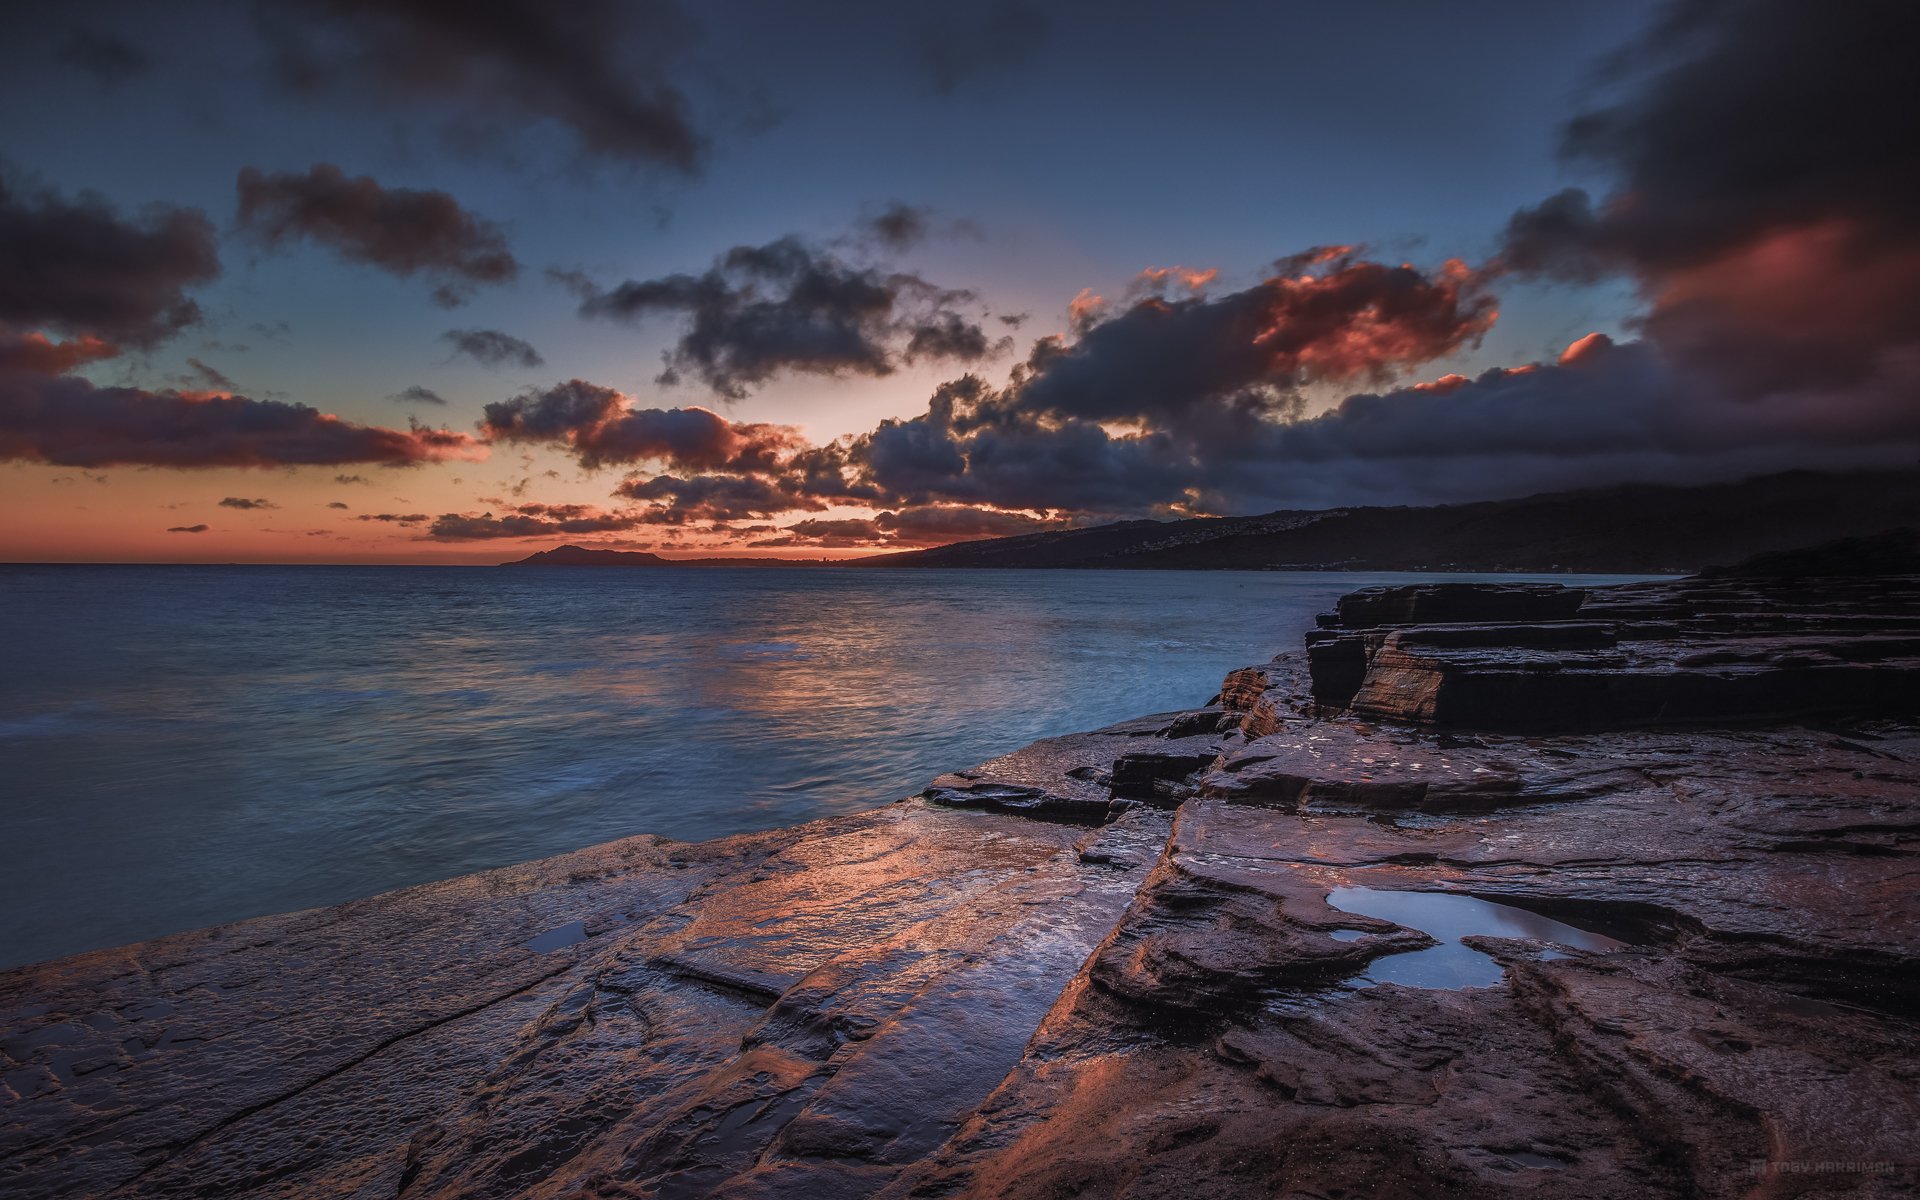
x: 1112, y: 960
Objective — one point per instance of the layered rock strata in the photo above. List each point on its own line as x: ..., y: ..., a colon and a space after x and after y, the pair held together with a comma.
x: 1133, y: 962
x: 1708, y: 651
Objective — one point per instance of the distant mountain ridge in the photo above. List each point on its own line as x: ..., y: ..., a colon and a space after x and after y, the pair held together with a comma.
x: 1629, y: 529
x: 580, y: 556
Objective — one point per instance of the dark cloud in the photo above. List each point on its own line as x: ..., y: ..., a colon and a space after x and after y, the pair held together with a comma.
x: 244, y: 503
x: 898, y: 226
x: 597, y: 68
x: 577, y: 283
x: 109, y: 59
x: 789, y: 306
x: 1739, y: 120
x: 393, y: 518
x: 949, y: 337
x: 210, y: 377
x: 350, y: 479
x: 490, y: 347
x: 1324, y: 317
x: 336, y: 504
x: 555, y: 414
x: 1767, y: 199
x: 957, y: 44
x: 531, y: 520
x: 402, y: 230
x: 68, y: 421
x: 829, y: 473
x: 415, y: 394
x: 1074, y: 465
x: 80, y: 268
x: 600, y: 426
x: 683, y: 500
x: 36, y: 353
x: 188, y: 528
x: 905, y: 457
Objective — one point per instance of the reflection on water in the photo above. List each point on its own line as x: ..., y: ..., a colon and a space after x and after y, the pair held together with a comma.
x: 182, y: 746
x: 1449, y: 918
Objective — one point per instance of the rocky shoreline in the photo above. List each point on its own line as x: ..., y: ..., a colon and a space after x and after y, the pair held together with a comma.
x: 1491, y: 890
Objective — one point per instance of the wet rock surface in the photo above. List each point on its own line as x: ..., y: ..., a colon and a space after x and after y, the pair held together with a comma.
x: 1129, y: 962
x: 830, y: 999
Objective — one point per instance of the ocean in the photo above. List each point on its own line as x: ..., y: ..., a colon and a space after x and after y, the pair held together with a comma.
x: 183, y: 746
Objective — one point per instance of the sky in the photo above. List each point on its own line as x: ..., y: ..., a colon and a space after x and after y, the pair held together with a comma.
x: 427, y: 282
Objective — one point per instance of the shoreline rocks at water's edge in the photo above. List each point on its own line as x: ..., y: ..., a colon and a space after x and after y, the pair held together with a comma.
x: 1123, y: 975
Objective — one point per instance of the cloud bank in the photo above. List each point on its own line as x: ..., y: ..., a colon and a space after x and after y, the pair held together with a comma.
x: 68, y: 421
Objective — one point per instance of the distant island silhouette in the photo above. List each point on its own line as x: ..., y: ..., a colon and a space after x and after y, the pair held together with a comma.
x: 580, y: 556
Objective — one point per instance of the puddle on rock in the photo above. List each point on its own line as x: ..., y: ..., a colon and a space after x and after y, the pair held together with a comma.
x: 570, y: 934
x: 1535, y: 1162
x: 1448, y: 918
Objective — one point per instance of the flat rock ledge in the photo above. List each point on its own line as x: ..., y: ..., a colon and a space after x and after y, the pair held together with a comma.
x: 1667, y: 831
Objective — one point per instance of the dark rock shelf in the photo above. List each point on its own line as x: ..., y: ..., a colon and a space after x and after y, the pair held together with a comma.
x: 1696, y: 652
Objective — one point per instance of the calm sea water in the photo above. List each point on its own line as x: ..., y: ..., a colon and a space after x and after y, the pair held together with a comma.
x: 181, y: 746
